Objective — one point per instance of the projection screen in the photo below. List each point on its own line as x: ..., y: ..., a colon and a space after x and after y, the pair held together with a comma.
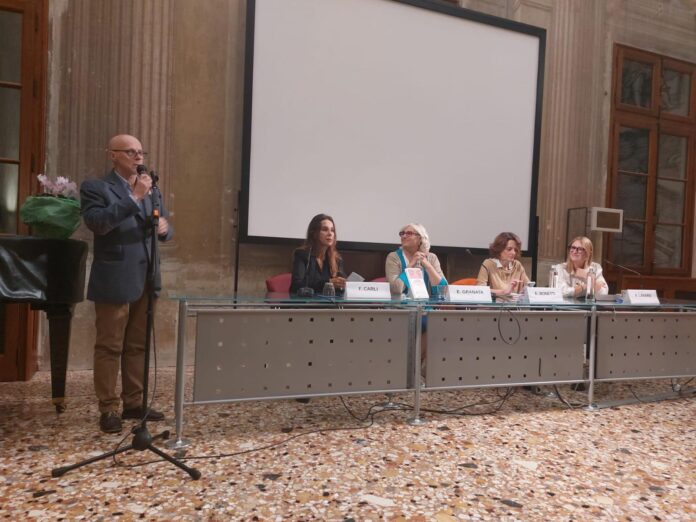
x: 385, y: 112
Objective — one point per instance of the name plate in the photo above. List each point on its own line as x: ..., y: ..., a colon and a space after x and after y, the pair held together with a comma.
x: 543, y: 295
x: 643, y: 297
x: 366, y: 290
x: 469, y: 294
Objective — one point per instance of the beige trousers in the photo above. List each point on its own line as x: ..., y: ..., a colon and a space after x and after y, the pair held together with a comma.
x: 120, y: 343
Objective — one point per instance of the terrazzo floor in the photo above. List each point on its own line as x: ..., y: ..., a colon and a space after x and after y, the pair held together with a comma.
x: 532, y: 459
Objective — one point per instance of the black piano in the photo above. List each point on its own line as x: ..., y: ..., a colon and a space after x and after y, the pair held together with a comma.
x: 50, y: 275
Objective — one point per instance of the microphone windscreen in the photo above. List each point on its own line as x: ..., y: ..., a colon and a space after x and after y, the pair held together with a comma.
x: 141, y: 169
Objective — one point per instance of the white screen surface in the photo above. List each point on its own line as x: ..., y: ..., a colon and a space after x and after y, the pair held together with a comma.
x: 381, y: 113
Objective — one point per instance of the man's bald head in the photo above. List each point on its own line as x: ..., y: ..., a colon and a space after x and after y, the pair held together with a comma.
x: 126, y: 154
x: 120, y: 140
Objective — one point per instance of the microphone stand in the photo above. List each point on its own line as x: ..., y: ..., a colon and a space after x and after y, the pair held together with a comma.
x: 142, y: 440
x: 306, y: 291
x: 624, y: 269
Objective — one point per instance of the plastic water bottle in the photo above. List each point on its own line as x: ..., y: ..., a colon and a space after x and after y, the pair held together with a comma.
x: 590, y: 284
x: 553, y: 277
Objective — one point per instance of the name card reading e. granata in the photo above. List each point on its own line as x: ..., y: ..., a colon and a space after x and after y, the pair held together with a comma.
x: 544, y: 295
x: 367, y: 290
x: 469, y: 294
x: 645, y: 297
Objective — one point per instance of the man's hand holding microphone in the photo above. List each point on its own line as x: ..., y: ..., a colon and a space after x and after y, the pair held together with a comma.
x: 141, y: 185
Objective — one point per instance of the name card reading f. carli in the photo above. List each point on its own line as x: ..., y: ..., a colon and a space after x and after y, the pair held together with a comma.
x: 469, y: 294
x: 367, y: 290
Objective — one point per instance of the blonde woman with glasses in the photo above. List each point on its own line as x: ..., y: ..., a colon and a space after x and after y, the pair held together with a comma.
x: 572, y: 275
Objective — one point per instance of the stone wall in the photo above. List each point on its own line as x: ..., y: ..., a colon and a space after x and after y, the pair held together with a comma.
x: 171, y: 72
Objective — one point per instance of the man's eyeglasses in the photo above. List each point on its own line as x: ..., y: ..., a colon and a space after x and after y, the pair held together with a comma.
x: 576, y: 249
x: 131, y: 153
x: 408, y: 233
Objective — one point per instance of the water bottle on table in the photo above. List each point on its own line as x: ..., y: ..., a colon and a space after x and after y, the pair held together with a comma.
x: 590, y: 284
x: 553, y: 277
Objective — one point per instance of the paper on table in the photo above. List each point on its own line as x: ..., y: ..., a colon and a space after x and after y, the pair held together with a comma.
x: 354, y: 277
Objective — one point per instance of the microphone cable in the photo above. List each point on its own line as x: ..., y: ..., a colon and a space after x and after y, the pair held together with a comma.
x: 570, y: 405
x: 367, y: 421
x: 369, y: 418
x: 517, y: 322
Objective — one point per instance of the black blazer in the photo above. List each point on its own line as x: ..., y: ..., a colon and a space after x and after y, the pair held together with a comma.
x: 311, y: 276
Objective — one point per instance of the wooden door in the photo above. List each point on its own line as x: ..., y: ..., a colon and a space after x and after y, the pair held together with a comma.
x: 23, y: 57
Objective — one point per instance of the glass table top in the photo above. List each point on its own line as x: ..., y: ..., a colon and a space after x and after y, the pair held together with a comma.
x: 287, y: 300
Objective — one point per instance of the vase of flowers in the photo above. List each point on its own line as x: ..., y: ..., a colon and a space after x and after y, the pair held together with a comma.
x: 55, y: 213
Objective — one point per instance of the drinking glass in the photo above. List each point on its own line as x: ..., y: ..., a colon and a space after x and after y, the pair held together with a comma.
x: 329, y: 290
x: 439, y: 292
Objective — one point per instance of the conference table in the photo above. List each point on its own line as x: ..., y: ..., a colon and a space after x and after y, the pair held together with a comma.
x: 281, y: 347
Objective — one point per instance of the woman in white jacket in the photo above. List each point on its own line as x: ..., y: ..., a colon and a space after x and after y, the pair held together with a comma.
x: 572, y: 275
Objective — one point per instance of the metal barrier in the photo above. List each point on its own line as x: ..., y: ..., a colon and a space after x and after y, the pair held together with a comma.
x: 275, y: 348
x: 475, y: 348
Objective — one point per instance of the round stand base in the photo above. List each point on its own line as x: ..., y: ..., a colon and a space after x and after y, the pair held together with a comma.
x: 177, y: 444
x: 417, y: 421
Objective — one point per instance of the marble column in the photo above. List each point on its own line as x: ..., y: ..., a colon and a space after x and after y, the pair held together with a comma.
x: 109, y: 73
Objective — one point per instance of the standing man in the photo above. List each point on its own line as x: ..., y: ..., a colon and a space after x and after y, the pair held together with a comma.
x: 117, y: 209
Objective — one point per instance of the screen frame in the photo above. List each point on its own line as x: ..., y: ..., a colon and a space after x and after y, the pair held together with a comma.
x: 432, y: 5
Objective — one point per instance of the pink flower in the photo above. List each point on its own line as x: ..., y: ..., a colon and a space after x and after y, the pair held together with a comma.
x: 62, y: 186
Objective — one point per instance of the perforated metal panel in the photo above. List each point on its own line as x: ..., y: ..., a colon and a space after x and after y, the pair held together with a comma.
x: 634, y: 345
x: 243, y: 354
x: 466, y: 348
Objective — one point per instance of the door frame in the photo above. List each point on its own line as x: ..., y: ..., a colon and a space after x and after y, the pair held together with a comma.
x: 19, y: 359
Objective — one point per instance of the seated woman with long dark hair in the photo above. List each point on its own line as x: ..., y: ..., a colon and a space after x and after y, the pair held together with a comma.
x: 317, y: 261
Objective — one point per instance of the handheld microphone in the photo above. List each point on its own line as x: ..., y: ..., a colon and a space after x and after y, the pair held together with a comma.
x: 306, y: 291
x: 142, y: 169
x: 154, y: 191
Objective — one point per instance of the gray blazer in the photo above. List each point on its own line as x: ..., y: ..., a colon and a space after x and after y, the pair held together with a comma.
x: 121, y: 240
